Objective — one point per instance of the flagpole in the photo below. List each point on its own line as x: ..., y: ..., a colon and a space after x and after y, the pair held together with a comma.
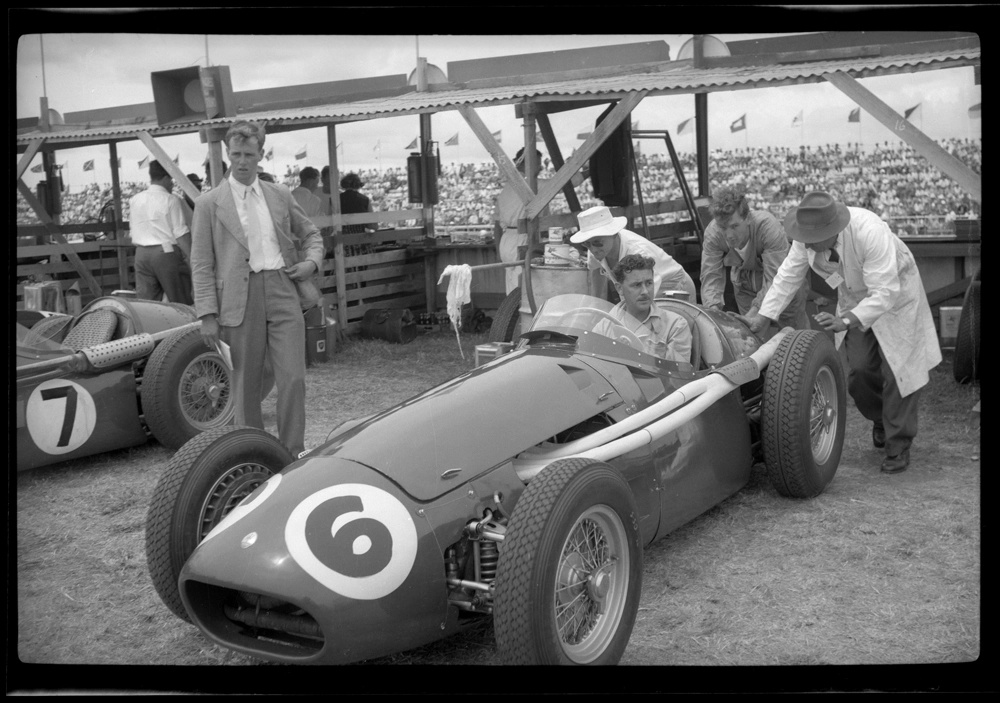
x: 41, y: 45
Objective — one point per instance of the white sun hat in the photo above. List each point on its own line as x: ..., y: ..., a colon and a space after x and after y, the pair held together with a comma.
x: 597, y: 222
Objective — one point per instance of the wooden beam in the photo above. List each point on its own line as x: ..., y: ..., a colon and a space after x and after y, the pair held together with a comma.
x: 952, y: 290
x: 968, y: 179
x: 22, y: 165
x: 338, y: 242
x: 507, y: 168
x: 557, y: 160
x: 169, y: 166
x: 621, y: 112
x: 116, y: 192
x: 59, y: 239
x: 547, y: 108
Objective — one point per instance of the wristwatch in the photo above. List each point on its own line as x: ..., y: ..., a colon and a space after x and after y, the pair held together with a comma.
x: 846, y: 321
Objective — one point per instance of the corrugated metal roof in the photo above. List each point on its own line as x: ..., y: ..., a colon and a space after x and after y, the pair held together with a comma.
x: 680, y: 79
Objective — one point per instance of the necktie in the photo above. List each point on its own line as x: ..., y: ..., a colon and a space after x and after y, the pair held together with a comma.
x: 834, y: 258
x: 254, y: 242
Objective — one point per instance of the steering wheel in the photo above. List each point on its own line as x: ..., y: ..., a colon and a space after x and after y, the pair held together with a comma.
x: 619, y: 330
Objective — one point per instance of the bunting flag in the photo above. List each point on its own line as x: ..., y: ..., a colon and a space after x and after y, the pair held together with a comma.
x: 453, y: 141
x: 906, y: 115
x: 538, y: 138
x: 498, y: 135
x: 975, y: 112
x: 739, y: 124
x: 37, y: 169
x: 88, y: 165
x: 855, y: 115
x: 378, y: 146
x: 301, y: 154
x: 270, y: 154
x: 797, y: 120
x: 177, y: 159
x: 635, y: 125
x: 583, y: 135
x: 685, y: 127
x: 145, y: 162
x: 119, y: 162
x: 413, y: 144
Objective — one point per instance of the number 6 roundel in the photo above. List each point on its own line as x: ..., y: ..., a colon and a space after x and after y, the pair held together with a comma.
x: 355, y: 539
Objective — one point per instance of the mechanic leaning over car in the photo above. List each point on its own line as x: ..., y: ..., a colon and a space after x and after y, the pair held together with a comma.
x: 160, y: 235
x: 753, y: 244
x: 663, y: 333
x: 244, y: 237
x: 882, y: 313
x: 608, y: 242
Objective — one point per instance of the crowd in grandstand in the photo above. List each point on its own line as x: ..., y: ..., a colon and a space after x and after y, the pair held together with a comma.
x: 892, y: 180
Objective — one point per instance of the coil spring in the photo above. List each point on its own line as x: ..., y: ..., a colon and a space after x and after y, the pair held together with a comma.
x: 488, y: 558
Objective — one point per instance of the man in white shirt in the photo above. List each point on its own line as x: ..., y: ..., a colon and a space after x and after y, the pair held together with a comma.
x: 305, y: 194
x: 248, y: 279
x: 162, y: 240
x: 883, y: 317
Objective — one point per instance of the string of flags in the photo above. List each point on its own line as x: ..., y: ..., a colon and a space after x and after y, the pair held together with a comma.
x: 906, y: 115
x: 855, y: 115
x: 797, y: 120
x: 453, y: 141
x: 685, y: 127
x: 739, y: 124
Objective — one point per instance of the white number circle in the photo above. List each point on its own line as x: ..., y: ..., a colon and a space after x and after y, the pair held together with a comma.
x: 353, y: 527
x: 60, y: 416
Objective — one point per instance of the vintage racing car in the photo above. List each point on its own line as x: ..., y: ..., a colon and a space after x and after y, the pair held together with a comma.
x: 109, y: 377
x: 523, y: 490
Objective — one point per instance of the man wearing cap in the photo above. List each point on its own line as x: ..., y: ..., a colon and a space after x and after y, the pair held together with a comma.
x: 882, y: 313
x: 663, y: 333
x: 753, y: 244
x: 608, y: 243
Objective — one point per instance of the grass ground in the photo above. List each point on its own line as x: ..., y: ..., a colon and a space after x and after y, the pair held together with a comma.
x: 877, y: 570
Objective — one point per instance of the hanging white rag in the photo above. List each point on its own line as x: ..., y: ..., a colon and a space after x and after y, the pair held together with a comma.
x: 459, y: 293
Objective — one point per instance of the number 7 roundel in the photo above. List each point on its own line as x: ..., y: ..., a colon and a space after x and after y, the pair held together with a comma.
x: 60, y: 415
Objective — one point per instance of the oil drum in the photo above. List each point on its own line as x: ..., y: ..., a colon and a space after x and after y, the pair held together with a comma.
x: 316, y: 352
x: 394, y: 324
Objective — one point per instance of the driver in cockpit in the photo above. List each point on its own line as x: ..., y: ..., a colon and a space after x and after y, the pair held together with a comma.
x: 662, y: 333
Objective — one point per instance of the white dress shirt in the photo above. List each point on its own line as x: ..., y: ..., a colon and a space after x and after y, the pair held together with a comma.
x: 156, y: 218
x: 272, y: 258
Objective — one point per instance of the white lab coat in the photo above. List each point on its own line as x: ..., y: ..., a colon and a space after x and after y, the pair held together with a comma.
x: 881, y: 286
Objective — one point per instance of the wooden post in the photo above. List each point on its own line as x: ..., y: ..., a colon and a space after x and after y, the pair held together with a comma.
x: 168, y: 165
x: 968, y: 179
x: 116, y: 194
x: 557, y: 160
x: 33, y: 146
x: 339, y: 269
x: 530, y: 172
x: 426, y: 137
x: 701, y: 141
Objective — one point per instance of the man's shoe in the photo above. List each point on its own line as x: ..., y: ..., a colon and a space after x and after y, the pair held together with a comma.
x: 895, y: 464
x: 878, y: 436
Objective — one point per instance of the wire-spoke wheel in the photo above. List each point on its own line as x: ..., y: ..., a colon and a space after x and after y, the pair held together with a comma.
x: 570, y: 570
x: 802, y: 414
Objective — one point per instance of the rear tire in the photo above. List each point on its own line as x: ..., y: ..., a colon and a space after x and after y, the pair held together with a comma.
x: 186, y: 389
x: 803, y: 414
x: 204, y: 481
x: 570, y: 569
x: 968, y: 344
x: 507, y: 318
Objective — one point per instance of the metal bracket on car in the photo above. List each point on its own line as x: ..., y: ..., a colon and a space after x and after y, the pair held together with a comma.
x: 487, y: 528
x: 740, y: 372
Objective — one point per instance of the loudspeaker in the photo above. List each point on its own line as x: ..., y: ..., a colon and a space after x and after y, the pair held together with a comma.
x: 609, y: 166
x: 192, y: 94
x: 416, y: 167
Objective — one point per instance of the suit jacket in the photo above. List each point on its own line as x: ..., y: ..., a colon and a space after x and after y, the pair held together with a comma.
x: 220, y: 256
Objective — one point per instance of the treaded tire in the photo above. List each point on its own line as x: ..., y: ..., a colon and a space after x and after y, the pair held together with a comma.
x: 186, y: 389
x: 203, y: 482
x: 541, y: 574
x: 507, y: 317
x: 803, y: 414
x: 968, y: 343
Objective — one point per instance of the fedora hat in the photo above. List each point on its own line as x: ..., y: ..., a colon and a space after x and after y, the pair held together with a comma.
x: 597, y: 222
x: 818, y: 217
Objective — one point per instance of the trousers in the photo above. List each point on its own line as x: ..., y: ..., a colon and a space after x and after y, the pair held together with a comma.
x: 273, y: 329
x: 872, y: 384
x: 158, y: 272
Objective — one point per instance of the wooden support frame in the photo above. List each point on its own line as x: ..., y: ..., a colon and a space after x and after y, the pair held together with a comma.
x: 22, y: 165
x: 338, y: 238
x: 60, y: 240
x: 116, y: 194
x: 168, y: 165
x: 622, y: 110
x: 968, y: 179
x: 507, y: 168
x: 557, y: 160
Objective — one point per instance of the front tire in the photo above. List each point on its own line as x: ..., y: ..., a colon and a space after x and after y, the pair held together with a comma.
x: 186, y: 389
x: 570, y: 569
x: 803, y: 414
x: 204, y: 481
x: 968, y: 343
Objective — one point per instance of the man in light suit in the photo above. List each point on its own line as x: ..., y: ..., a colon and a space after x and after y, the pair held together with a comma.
x: 245, y: 269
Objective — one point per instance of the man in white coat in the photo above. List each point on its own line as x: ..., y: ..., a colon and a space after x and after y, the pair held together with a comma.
x: 883, y: 317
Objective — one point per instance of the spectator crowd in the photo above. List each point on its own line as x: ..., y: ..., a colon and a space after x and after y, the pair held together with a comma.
x: 891, y: 180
